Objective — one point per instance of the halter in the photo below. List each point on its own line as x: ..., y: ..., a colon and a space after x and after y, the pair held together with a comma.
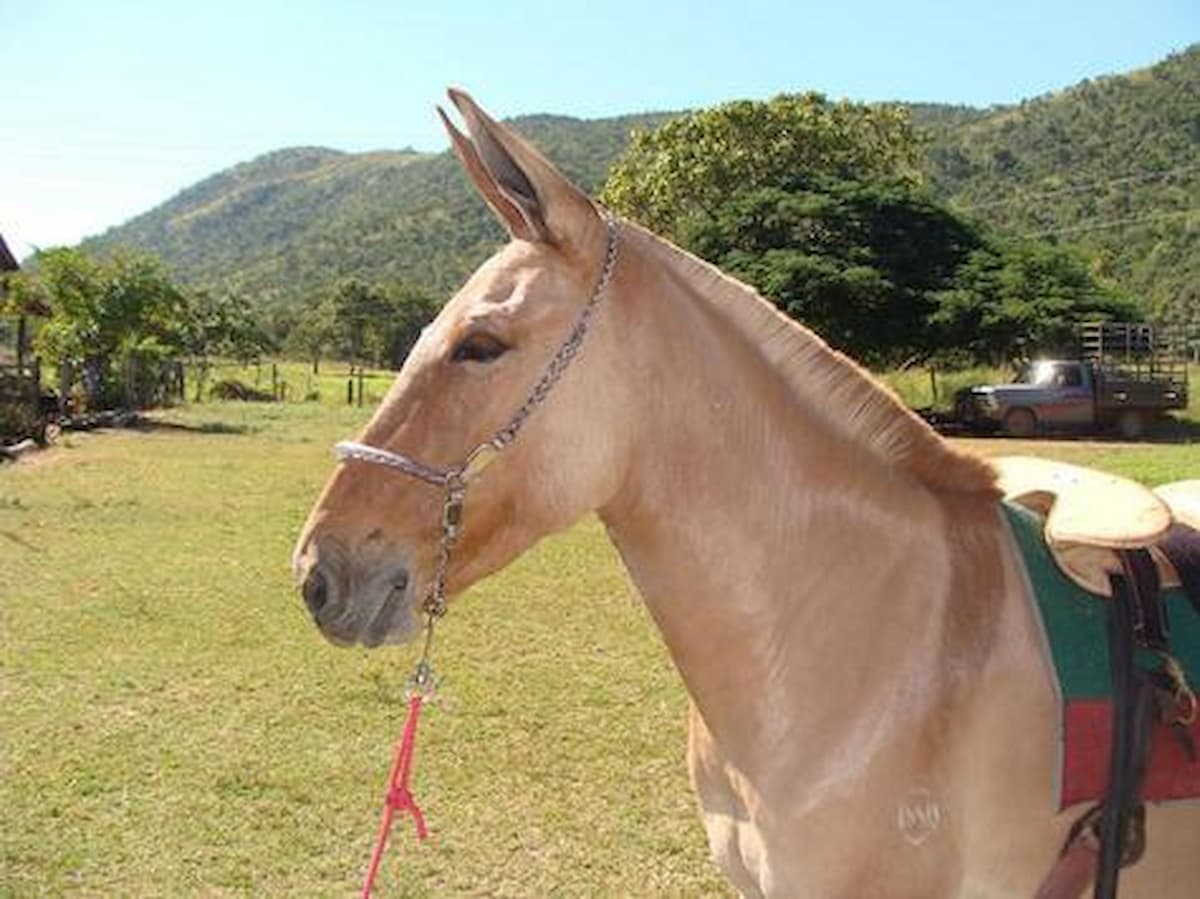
x: 455, y: 479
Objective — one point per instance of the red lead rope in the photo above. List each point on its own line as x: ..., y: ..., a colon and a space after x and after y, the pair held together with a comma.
x: 399, y: 798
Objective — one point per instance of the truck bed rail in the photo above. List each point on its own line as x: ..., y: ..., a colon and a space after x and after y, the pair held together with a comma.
x: 1136, y: 351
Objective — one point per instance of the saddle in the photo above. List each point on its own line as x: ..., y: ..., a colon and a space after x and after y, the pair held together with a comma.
x: 1140, y: 549
x: 1091, y: 516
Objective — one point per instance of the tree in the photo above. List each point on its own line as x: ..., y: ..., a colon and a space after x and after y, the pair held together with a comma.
x: 371, y: 322
x: 1014, y: 297
x: 412, y: 310
x: 817, y: 205
x: 313, y: 333
x: 680, y: 174
x: 220, y: 324
x: 359, y: 311
x: 857, y: 261
x: 106, y: 315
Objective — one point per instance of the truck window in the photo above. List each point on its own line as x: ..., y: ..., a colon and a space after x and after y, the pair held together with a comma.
x: 1071, y: 376
x: 1052, y: 374
x: 1040, y: 373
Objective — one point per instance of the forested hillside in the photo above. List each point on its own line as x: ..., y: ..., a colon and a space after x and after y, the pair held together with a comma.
x: 286, y: 226
x: 1112, y: 164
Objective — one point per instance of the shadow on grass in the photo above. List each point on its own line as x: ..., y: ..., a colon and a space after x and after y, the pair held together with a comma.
x: 1176, y: 430
x: 203, y: 427
x: 1171, y: 431
x: 20, y: 541
x: 134, y: 421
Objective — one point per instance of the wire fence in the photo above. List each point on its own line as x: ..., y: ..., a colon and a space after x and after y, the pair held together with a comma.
x: 287, y: 381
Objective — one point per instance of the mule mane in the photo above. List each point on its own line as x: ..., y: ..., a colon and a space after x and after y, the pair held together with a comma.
x: 829, y: 383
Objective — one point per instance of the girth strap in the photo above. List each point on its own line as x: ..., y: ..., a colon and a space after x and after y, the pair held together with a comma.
x: 1149, y: 617
x: 1111, y: 836
x: 1135, y: 617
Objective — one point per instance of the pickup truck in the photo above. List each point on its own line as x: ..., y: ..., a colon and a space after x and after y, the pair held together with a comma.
x: 1081, y: 396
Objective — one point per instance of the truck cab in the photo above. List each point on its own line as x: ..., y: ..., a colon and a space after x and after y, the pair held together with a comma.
x: 1126, y: 380
x: 1050, y: 394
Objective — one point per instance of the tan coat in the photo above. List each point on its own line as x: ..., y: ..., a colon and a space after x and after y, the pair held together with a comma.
x: 871, y: 713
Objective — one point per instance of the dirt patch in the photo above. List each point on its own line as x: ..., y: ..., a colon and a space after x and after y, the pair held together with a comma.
x: 48, y: 455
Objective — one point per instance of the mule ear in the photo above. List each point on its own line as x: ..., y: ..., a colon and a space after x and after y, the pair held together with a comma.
x: 514, y: 219
x: 531, y: 197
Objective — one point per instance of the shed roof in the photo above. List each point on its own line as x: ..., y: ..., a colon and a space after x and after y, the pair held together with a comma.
x: 8, y: 262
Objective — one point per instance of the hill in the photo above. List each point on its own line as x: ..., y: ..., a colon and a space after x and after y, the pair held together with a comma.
x: 286, y: 225
x: 1111, y: 164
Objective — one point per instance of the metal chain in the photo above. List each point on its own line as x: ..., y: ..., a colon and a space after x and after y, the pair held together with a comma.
x: 422, y: 680
x: 452, y: 509
x: 558, y: 364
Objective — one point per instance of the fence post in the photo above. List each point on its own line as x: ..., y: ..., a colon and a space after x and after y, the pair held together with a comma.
x: 360, y: 386
x: 350, y: 387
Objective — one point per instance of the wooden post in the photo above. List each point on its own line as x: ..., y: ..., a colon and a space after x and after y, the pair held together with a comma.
x: 274, y: 380
x: 360, y: 386
x: 22, y: 337
x: 350, y: 388
x: 933, y: 385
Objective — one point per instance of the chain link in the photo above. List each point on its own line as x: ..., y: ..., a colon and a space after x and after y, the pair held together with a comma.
x: 570, y: 347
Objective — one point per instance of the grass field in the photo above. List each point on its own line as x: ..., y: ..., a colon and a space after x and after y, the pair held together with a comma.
x: 172, y: 724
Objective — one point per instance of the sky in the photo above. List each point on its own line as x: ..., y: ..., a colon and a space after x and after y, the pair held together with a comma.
x: 110, y: 107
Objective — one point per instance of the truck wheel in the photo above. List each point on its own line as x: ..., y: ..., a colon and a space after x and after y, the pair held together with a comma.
x: 1020, y: 423
x: 1131, y: 425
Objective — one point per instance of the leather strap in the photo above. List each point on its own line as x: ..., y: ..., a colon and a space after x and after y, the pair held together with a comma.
x: 1111, y: 836
x: 1149, y: 616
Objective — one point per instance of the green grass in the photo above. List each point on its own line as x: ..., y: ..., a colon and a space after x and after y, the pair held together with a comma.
x: 916, y: 388
x: 171, y: 723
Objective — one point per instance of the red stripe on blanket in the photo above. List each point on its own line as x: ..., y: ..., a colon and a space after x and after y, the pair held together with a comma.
x: 1170, y: 774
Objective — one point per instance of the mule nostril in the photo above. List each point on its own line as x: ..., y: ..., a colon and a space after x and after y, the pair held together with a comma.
x: 316, y: 591
x: 400, y: 581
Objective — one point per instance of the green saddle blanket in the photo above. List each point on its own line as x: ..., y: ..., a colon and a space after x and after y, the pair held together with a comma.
x: 1075, y: 626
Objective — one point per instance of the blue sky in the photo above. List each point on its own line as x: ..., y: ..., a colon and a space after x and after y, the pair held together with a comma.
x: 109, y: 106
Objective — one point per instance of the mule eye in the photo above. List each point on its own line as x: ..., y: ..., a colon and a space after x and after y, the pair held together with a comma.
x: 478, y: 348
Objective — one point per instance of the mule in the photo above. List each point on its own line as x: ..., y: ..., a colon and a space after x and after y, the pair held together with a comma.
x: 871, y: 714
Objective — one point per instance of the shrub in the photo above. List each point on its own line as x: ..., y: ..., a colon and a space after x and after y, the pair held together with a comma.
x: 233, y: 389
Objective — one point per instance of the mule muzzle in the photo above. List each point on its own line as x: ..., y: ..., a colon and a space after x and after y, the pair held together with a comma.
x: 363, y: 601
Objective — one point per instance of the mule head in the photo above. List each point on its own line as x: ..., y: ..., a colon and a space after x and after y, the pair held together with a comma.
x: 367, y: 555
